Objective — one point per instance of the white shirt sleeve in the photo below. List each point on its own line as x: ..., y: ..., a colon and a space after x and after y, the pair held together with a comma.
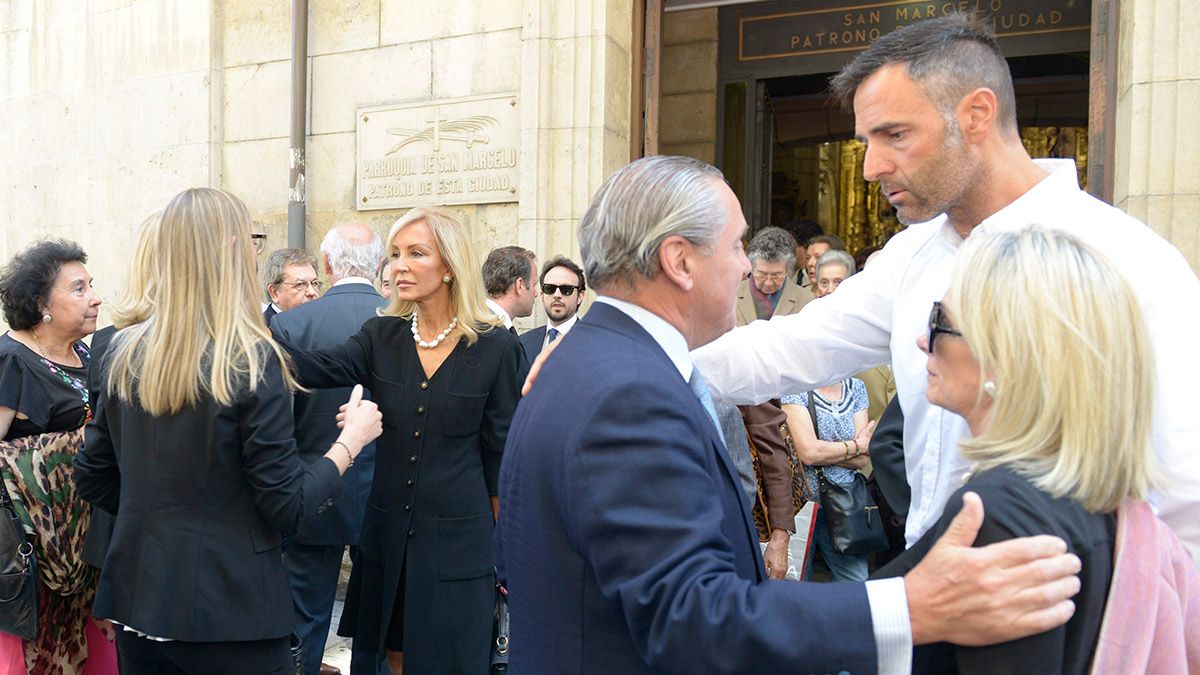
x: 829, y: 339
x: 893, y: 631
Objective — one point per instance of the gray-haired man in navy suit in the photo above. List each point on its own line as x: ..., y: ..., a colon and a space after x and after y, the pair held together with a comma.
x: 351, y: 255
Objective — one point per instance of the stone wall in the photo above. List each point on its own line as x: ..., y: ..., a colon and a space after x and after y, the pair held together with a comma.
x: 689, y: 84
x: 113, y: 106
x: 105, y: 109
x: 1156, y: 172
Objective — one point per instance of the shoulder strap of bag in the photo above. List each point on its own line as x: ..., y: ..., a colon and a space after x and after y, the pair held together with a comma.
x: 812, y: 413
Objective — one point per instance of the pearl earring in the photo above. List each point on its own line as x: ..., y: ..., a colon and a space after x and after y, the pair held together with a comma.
x: 446, y: 279
x: 989, y: 388
x: 46, y: 317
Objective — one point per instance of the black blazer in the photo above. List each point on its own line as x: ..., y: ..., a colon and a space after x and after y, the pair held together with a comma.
x: 531, y: 342
x: 200, y: 498
x: 320, y: 324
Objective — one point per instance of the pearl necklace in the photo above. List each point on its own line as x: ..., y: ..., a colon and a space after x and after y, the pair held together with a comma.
x: 435, y: 341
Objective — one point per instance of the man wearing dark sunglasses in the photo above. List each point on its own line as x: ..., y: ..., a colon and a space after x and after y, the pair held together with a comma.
x: 562, y: 296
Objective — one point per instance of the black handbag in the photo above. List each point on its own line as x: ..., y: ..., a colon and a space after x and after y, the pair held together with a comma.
x: 852, y: 516
x: 18, y: 575
x: 500, y: 632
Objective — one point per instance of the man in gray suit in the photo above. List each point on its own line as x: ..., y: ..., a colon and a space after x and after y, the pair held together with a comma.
x: 351, y: 255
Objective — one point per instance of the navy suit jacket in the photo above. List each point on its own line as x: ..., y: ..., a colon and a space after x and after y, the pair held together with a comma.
x: 323, y: 323
x: 531, y: 342
x: 625, y: 539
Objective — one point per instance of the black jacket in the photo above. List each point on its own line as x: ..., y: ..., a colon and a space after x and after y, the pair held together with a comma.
x: 200, y: 498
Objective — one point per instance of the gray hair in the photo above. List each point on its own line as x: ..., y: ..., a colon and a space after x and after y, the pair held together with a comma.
x: 773, y: 244
x: 835, y: 257
x: 352, y: 260
x: 277, y: 262
x: 641, y: 205
x: 948, y: 57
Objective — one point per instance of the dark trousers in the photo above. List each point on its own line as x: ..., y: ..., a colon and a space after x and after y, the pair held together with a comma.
x: 313, y: 575
x: 140, y: 656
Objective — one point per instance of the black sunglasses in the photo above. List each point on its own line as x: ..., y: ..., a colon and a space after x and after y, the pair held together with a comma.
x: 939, y: 324
x: 567, y: 289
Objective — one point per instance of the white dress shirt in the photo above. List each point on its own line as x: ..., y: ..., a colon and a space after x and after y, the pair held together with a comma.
x: 877, y: 315
x: 886, y: 597
x: 562, y: 328
x: 499, y: 311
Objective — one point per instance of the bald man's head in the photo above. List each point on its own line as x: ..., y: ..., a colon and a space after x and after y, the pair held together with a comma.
x: 351, y: 250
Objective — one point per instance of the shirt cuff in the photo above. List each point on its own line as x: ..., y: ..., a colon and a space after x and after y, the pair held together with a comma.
x: 893, y: 630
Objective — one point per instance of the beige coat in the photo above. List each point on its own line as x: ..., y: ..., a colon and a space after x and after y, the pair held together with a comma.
x: 794, y: 297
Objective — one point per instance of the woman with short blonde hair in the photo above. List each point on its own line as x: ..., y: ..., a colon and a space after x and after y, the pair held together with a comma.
x: 447, y: 377
x: 1040, y: 345
x: 191, y: 448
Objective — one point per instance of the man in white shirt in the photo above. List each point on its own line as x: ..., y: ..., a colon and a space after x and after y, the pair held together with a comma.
x: 934, y: 103
x: 508, y: 280
x: 625, y: 539
x: 562, y: 296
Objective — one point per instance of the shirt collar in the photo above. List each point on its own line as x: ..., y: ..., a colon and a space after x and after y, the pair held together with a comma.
x: 353, y: 280
x: 1026, y: 209
x: 564, y: 327
x: 499, y: 311
x: 667, y: 336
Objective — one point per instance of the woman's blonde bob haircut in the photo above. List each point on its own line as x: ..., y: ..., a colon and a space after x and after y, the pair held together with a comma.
x: 1058, y: 330
x: 190, y: 318
x: 458, y: 252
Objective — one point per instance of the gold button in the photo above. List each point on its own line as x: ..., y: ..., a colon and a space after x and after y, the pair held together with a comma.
x: 424, y: 385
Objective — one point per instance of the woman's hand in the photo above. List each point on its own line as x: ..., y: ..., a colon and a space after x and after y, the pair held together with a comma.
x: 863, y: 437
x: 361, y: 422
x: 776, y: 555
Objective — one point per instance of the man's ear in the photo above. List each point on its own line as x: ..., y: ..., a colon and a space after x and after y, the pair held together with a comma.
x: 976, y: 114
x: 675, y: 258
x: 325, y: 264
x: 272, y: 292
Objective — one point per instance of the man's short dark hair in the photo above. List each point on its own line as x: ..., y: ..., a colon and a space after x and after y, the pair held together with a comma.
x: 28, y: 280
x: 835, y: 243
x: 504, y: 266
x: 563, y: 261
x: 948, y: 57
x: 278, y: 262
x: 803, y: 229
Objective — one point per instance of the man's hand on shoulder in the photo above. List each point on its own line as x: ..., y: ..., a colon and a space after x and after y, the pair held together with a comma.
x: 996, y: 593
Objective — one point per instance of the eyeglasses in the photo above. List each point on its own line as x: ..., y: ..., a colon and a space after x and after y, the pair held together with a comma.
x: 300, y: 286
x: 259, y: 240
x: 771, y: 276
x: 939, y: 324
x: 566, y: 289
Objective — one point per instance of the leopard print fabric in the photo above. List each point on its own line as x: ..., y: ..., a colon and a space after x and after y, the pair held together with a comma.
x: 37, y: 474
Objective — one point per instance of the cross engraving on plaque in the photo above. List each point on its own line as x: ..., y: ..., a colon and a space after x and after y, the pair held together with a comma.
x: 437, y: 128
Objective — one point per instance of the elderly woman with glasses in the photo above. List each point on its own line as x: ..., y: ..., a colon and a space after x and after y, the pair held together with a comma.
x: 1040, y: 345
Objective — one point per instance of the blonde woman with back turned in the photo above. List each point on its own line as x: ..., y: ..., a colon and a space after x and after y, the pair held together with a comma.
x: 1040, y: 346
x: 192, y: 450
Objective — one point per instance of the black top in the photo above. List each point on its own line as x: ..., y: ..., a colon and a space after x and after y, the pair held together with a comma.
x: 1013, y: 507
x: 53, y: 396
x: 201, y: 497
x: 436, y: 465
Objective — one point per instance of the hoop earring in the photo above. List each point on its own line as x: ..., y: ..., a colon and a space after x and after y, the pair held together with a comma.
x: 989, y: 388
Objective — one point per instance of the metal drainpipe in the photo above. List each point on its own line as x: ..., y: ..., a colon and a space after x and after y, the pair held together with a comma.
x: 296, y: 178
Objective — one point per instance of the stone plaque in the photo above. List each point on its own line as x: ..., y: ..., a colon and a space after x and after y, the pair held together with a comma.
x: 454, y: 151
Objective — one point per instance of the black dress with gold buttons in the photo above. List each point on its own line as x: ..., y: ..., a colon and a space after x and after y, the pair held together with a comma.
x: 424, y: 580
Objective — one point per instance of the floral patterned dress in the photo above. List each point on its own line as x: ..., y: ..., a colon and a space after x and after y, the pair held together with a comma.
x: 53, y: 405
